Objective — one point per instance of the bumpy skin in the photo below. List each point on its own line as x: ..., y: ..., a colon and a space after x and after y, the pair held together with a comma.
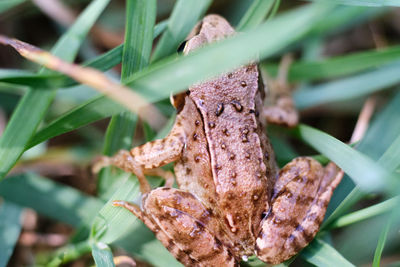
x: 232, y: 201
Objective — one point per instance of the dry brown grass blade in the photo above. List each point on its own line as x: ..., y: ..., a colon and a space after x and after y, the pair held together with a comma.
x: 124, y: 260
x: 363, y: 119
x: 91, y: 77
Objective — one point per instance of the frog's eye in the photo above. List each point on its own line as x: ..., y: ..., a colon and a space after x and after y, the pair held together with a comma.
x: 181, y: 47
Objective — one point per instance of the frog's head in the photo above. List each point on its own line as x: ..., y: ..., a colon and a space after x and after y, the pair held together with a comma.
x: 210, y: 29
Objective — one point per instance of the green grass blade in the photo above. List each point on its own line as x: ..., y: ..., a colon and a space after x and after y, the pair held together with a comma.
x: 69, y: 253
x: 47, y: 81
x: 348, y: 88
x: 367, y: 174
x: 118, y: 226
x: 159, y: 79
x: 33, y: 106
x: 176, y: 74
x: 140, y: 18
x: 51, y: 199
x: 10, y: 228
x: 385, y: 128
x: 373, y: 3
x: 365, y: 213
x: 183, y: 18
x: 7, y: 4
x: 337, y: 66
x: 321, y: 253
x: 352, y: 198
x: 255, y: 14
x: 112, y: 223
x: 391, y: 158
x: 102, y: 255
x: 88, y: 112
x: 381, y: 243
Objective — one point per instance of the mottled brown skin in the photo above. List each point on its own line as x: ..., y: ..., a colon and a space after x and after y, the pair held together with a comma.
x: 232, y: 200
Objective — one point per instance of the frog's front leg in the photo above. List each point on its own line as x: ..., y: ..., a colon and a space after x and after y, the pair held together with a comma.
x: 301, y: 196
x: 146, y: 159
x: 184, y: 226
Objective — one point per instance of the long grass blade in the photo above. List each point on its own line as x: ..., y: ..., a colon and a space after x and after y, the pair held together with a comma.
x: 365, y: 213
x: 337, y: 66
x: 184, y: 16
x: 367, y: 174
x: 140, y: 17
x: 321, y: 253
x: 51, y: 199
x: 385, y: 127
x: 369, y: 3
x: 174, y: 75
x: 34, y: 103
x: 349, y: 88
x: 160, y: 79
x: 91, y: 77
x: 54, y: 80
x: 381, y: 242
x: 102, y: 255
x: 10, y: 228
x: 255, y: 14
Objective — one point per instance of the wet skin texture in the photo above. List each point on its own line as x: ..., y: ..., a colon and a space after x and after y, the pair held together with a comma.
x: 232, y: 199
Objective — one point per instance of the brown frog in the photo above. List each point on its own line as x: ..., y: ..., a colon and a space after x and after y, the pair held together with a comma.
x: 232, y: 200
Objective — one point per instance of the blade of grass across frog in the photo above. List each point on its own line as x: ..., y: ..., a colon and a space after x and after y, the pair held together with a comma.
x: 53, y: 80
x: 10, y: 228
x: 337, y: 66
x: 140, y: 18
x: 90, y: 111
x: 369, y: 3
x: 349, y: 88
x: 366, y: 173
x: 7, y: 4
x: 162, y: 78
x: 321, y: 253
x: 102, y: 255
x: 176, y: 74
x: 184, y: 16
x: 49, y: 198
x: 34, y: 103
x: 339, y: 18
x: 255, y: 14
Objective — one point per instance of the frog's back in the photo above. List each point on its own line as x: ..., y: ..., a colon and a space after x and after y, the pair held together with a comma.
x: 229, y: 107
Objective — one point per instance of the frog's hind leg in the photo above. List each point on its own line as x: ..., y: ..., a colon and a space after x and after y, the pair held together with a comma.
x: 281, y: 109
x: 168, y: 243
x: 189, y: 229
x: 301, y: 196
